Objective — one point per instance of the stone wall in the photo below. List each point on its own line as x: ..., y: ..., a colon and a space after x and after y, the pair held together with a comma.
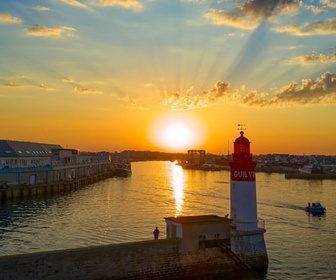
x: 251, y: 248
x: 157, y: 259
x: 19, y: 192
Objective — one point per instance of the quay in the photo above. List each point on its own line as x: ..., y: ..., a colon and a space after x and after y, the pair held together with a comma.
x: 312, y: 176
x: 44, y: 189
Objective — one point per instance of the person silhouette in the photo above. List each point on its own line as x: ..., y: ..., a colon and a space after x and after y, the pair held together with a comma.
x: 156, y: 233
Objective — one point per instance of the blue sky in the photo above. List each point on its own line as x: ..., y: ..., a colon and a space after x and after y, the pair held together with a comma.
x: 165, y: 55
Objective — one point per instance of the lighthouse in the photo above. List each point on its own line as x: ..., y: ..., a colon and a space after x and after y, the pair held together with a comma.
x: 243, y: 186
x: 247, y: 231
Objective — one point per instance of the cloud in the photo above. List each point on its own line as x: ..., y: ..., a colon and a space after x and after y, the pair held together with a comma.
x: 148, y: 85
x: 21, y: 76
x: 220, y: 89
x: 122, y: 3
x: 219, y: 17
x: 314, y: 58
x: 42, y: 8
x: 315, y: 9
x: 188, y: 101
x: 329, y: 3
x: 43, y: 31
x: 178, y: 101
x: 44, y: 87
x: 68, y: 81
x: 23, y: 86
x: 80, y: 87
x: 130, y: 103
x: 326, y: 27
x: 250, y: 14
x: 12, y: 85
x: 8, y: 18
x: 74, y: 3
x: 321, y: 91
x: 85, y: 90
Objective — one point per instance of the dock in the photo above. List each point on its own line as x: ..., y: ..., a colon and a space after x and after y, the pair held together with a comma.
x: 44, y: 189
x: 312, y: 176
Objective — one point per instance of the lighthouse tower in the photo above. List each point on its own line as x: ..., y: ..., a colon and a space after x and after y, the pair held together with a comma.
x: 243, y: 186
x: 247, y: 233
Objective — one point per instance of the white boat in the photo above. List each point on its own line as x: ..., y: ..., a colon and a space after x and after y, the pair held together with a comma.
x: 123, y: 169
x: 311, y: 169
x: 121, y: 165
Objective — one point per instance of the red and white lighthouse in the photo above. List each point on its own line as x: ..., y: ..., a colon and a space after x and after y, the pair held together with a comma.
x: 243, y: 196
x: 247, y: 234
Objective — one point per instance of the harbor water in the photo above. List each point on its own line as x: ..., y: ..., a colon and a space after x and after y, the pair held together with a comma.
x: 300, y: 246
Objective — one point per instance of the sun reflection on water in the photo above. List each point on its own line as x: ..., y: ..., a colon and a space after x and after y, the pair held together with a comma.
x: 178, y: 188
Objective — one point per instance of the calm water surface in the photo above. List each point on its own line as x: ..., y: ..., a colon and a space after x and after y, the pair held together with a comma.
x: 117, y: 210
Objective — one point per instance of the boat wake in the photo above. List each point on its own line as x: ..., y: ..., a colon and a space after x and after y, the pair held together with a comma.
x: 284, y: 206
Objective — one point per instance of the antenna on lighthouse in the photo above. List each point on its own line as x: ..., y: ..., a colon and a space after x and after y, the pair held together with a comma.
x: 241, y: 127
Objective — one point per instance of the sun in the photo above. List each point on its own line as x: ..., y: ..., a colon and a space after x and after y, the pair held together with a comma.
x: 177, y: 133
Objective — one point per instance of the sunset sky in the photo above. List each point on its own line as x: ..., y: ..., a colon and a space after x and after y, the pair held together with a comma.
x: 169, y: 75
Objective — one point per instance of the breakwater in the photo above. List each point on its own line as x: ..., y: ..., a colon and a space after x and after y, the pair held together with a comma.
x: 155, y: 259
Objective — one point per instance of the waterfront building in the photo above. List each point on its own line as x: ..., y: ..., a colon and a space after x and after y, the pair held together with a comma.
x: 19, y: 154
x: 29, y: 163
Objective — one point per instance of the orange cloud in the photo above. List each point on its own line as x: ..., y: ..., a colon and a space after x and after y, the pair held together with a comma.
x: 130, y: 103
x: 180, y: 101
x: 43, y: 31
x: 74, y: 3
x: 123, y: 3
x: 320, y: 91
x: 8, y: 18
x: 12, y: 85
x: 327, y: 27
x: 85, y: 90
x: 314, y: 58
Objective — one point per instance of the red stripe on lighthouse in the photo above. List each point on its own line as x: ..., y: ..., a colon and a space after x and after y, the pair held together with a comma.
x: 243, y: 174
